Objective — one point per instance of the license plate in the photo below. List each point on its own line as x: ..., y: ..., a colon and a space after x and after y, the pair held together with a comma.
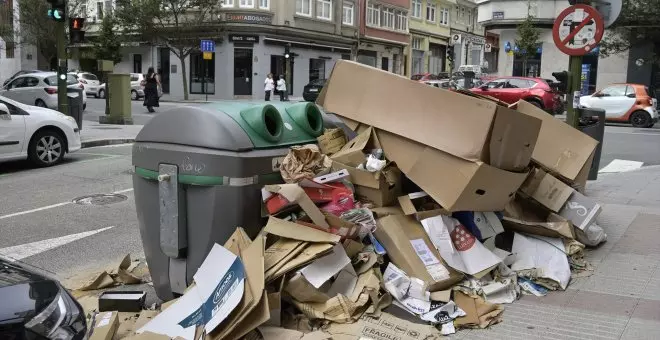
x: 313, y: 90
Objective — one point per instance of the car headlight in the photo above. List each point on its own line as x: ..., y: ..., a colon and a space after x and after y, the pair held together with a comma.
x: 71, y: 119
x: 61, y: 320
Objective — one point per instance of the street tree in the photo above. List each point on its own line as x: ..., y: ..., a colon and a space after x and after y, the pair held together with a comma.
x: 107, y: 45
x: 636, y: 26
x: 527, y: 40
x: 35, y: 27
x: 177, y: 24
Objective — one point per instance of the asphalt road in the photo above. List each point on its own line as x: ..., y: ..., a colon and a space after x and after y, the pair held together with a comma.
x: 42, y: 225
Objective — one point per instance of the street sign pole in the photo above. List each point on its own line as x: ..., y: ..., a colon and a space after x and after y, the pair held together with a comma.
x: 60, y: 36
x: 577, y: 30
x: 208, y: 48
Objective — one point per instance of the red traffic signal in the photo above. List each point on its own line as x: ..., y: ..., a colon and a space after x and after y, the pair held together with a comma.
x: 76, y: 24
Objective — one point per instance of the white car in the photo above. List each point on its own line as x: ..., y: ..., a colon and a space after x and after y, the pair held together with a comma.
x: 42, y: 135
x: 39, y: 89
x: 625, y: 103
x: 137, y: 90
x: 90, y: 83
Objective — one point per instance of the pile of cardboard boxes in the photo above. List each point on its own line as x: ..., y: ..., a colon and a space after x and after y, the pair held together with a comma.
x: 437, y: 209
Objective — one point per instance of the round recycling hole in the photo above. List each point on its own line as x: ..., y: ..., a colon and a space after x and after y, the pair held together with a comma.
x: 100, y: 199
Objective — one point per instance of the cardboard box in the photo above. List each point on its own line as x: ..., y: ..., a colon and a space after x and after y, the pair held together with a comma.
x: 380, y: 188
x: 469, y: 128
x: 580, y: 210
x: 105, y: 326
x: 410, y: 249
x: 331, y: 141
x: 421, y: 206
x: 546, y: 189
x: 455, y: 183
x: 560, y: 148
x: 355, y: 151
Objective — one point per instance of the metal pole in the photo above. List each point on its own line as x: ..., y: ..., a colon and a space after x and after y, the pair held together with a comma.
x: 574, y: 77
x: 60, y: 33
x: 204, y: 78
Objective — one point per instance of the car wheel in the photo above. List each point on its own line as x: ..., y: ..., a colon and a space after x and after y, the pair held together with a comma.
x: 641, y: 119
x: 134, y: 95
x: 40, y: 103
x: 46, y: 148
x: 101, y: 94
x: 536, y: 103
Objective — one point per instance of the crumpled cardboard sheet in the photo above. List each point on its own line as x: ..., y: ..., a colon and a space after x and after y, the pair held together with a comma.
x: 304, y: 161
x: 126, y: 272
x: 479, y: 313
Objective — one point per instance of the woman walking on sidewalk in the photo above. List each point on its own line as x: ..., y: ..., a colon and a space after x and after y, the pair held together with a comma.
x: 268, y: 86
x: 151, y: 84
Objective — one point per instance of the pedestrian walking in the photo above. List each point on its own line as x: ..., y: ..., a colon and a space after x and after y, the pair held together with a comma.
x: 269, y: 86
x: 281, y: 88
x: 151, y: 85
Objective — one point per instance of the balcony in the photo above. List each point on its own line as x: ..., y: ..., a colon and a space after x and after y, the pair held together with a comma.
x: 505, y: 14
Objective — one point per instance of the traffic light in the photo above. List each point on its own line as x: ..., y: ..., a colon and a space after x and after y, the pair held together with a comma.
x: 562, y: 78
x: 76, y: 34
x: 57, y: 10
x: 450, y: 53
x: 287, y: 52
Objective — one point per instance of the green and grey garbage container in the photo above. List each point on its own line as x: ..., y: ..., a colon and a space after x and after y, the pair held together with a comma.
x: 198, y: 176
x: 592, y: 123
x: 76, y: 106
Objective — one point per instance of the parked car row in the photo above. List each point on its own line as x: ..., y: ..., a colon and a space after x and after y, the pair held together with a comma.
x: 39, y: 89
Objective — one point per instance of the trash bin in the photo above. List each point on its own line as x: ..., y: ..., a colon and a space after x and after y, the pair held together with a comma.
x: 592, y: 123
x: 75, y: 101
x: 199, y: 173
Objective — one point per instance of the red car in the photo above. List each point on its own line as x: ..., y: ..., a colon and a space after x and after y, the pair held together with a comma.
x: 534, y: 90
x: 422, y: 77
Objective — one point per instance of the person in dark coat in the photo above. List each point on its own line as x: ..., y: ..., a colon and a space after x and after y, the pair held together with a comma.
x: 151, y: 90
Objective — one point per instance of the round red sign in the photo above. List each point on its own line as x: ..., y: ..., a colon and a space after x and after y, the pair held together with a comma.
x: 578, y: 29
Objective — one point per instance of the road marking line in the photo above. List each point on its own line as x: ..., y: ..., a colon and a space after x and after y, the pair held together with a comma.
x: 25, y: 212
x: 22, y: 251
x: 634, y: 133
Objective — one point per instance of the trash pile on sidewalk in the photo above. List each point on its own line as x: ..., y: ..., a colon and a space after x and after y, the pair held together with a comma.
x: 426, y: 216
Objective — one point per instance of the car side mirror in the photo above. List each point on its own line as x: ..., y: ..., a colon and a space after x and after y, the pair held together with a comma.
x: 484, y: 87
x: 631, y: 95
x: 4, y: 111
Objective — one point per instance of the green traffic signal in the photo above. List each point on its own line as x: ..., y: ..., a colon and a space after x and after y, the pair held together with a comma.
x: 56, y: 14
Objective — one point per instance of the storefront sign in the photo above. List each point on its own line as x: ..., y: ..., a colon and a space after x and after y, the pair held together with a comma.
x: 265, y: 19
x: 498, y: 15
x: 244, y: 38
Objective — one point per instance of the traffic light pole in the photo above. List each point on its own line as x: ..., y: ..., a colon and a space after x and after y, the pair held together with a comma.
x: 574, y: 80
x: 60, y: 33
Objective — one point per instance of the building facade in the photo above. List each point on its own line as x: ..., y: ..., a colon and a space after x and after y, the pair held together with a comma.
x: 383, y: 35
x: 500, y: 18
x: 13, y: 57
x: 467, y: 35
x: 429, y: 36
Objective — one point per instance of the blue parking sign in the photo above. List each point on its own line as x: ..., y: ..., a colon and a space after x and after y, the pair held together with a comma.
x: 207, y: 46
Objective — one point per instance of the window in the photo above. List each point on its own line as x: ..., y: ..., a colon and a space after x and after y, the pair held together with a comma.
x: 52, y: 80
x: 246, y: 3
x: 83, y: 11
x: 444, y: 16
x: 614, y: 91
x: 304, y: 7
x: 430, y: 12
x: 463, y: 13
x: 469, y: 19
x: 324, y: 9
x: 108, y: 7
x: 31, y: 81
x: 264, y: 4
x: 89, y: 76
x: 416, y: 43
x: 316, y: 70
x: 416, y: 9
x: 347, y: 15
x: 401, y: 22
x: 9, y: 50
x: 228, y: 3
x: 20, y: 82
x: 99, y: 10
x: 387, y: 18
x: 373, y: 15
x: 202, y: 74
x: 497, y: 84
x: 520, y: 84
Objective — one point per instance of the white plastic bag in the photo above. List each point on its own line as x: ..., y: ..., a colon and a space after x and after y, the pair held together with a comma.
x: 592, y: 235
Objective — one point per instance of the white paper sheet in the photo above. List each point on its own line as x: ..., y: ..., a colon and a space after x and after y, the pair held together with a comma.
x: 323, y: 269
x: 621, y: 165
x: 544, y: 253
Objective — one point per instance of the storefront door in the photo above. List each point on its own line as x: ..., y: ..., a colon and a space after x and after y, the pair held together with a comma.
x: 164, y: 68
x: 242, y: 71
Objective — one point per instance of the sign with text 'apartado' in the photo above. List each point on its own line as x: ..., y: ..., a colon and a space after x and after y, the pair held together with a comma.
x: 577, y: 30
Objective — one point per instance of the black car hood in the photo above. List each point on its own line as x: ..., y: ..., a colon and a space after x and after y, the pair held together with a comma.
x: 23, y: 294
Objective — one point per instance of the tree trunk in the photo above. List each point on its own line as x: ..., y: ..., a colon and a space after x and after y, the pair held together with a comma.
x: 524, y: 72
x: 182, y: 58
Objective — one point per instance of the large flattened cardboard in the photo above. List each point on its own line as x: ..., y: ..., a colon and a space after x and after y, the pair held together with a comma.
x: 455, y: 183
x: 560, y: 148
x: 466, y: 127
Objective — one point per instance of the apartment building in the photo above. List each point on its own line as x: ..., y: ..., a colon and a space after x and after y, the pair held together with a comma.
x: 429, y: 36
x: 500, y: 18
x: 255, y: 35
x: 467, y: 34
x: 383, y: 35
x: 13, y: 57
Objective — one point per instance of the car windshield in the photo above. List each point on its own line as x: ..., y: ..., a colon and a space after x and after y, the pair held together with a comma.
x: 89, y: 76
x: 52, y: 80
x: 317, y: 82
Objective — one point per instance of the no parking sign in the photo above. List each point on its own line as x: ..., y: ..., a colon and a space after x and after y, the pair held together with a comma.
x: 578, y: 29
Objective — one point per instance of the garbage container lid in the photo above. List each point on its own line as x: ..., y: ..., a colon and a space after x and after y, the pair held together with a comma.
x: 196, y: 126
